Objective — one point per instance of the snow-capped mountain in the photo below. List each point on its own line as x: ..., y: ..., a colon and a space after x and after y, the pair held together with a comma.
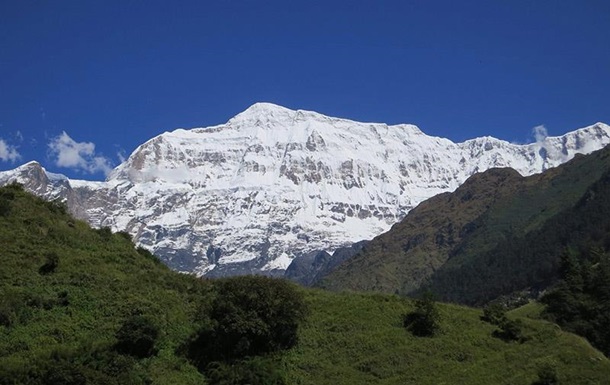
x: 272, y: 184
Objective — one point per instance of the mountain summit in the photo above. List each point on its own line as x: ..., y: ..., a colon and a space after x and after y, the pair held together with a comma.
x: 272, y: 184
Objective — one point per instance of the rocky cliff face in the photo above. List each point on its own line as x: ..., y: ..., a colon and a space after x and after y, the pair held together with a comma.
x: 272, y: 184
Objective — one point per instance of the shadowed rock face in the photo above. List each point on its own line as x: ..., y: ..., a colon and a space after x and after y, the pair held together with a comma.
x: 309, y: 268
x: 272, y: 184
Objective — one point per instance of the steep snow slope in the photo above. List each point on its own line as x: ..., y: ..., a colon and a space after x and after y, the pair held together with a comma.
x: 274, y: 183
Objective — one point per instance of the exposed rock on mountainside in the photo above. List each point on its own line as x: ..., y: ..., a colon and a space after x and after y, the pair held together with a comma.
x: 272, y: 184
x: 497, y: 233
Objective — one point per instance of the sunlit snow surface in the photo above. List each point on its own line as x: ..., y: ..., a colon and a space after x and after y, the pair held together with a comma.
x: 273, y: 183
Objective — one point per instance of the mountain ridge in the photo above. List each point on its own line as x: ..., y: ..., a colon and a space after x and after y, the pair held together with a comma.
x: 499, y: 232
x: 272, y: 184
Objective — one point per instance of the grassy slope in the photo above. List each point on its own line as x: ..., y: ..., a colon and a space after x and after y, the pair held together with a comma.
x: 358, y: 339
x: 106, y: 281
x: 347, y: 339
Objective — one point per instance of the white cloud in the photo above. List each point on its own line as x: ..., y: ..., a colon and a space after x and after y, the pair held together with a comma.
x: 8, y: 153
x: 79, y: 156
x: 540, y: 133
x: 120, y: 153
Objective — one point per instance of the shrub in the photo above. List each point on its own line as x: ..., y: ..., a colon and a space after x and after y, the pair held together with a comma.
x: 51, y: 263
x: 5, y: 206
x: 254, y: 371
x: 148, y: 255
x: 8, y: 312
x: 510, y: 330
x: 65, y: 373
x: 105, y: 233
x: 424, y: 321
x: 547, y: 375
x: 494, y: 314
x: 137, y: 337
x: 125, y: 235
x: 250, y: 315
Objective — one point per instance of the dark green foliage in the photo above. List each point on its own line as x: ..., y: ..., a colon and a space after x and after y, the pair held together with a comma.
x: 253, y: 371
x: 125, y: 235
x: 137, y: 336
x: 494, y: 314
x: 250, y: 315
x: 148, y: 255
x: 510, y: 330
x: 424, y: 321
x: 63, y: 327
x: 50, y: 264
x: 11, y: 309
x: 547, y: 375
x: 104, y: 232
x: 580, y: 302
x: 65, y: 373
x: 65, y: 290
x: 6, y: 196
x: 57, y: 206
x: 532, y: 260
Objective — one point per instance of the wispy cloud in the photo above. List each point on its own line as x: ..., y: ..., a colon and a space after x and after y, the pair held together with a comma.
x: 80, y: 156
x: 540, y: 133
x: 120, y: 153
x: 8, y: 153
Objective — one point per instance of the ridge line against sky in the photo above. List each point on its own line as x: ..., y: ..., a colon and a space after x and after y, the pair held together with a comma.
x: 83, y: 83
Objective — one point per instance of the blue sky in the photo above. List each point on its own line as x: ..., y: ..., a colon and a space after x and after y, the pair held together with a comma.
x: 83, y: 83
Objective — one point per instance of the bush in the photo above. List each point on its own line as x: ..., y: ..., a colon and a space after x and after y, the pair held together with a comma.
x: 510, y: 330
x: 137, y: 337
x: 148, y: 255
x: 105, y: 233
x: 51, y: 263
x: 547, y: 375
x: 255, y: 371
x: 65, y: 373
x: 9, y: 309
x: 250, y: 316
x: 5, y: 206
x: 424, y: 321
x: 125, y: 235
x: 494, y: 314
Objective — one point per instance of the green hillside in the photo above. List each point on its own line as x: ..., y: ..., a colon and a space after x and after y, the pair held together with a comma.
x: 457, y: 244
x: 359, y: 339
x: 83, y: 306
x: 73, y: 311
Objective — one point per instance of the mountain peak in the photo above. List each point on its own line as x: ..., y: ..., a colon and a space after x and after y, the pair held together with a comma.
x: 263, y: 111
x: 274, y: 183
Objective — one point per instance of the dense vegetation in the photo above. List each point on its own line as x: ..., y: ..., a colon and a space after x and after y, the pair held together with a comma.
x: 361, y: 339
x: 531, y: 261
x: 580, y: 302
x: 83, y: 306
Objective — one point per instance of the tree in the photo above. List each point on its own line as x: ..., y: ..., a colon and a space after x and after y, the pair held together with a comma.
x: 510, y: 330
x: 250, y: 315
x: 137, y: 337
x: 51, y: 263
x: 424, y: 321
x: 494, y: 314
